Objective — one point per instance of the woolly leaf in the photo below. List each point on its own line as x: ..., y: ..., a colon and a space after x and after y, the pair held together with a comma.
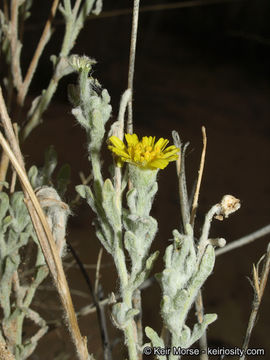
x: 33, y: 177
x: 86, y: 193
x: 19, y: 212
x: 184, y: 340
x: 155, y: 340
x: 199, y: 329
x: 109, y: 204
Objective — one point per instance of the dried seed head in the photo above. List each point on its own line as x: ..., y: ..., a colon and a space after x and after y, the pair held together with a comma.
x: 228, y: 205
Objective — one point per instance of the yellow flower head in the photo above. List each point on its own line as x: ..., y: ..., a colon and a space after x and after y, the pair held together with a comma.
x: 145, y: 154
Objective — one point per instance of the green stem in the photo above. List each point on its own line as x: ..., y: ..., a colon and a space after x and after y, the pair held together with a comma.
x: 130, y: 331
x: 121, y: 267
x: 130, y: 335
x: 126, y: 293
x: 174, y: 344
x: 20, y: 320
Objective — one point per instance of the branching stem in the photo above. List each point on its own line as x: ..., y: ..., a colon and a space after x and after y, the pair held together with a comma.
x: 244, y: 240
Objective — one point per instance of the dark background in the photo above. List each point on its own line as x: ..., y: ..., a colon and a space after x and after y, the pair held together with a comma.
x: 205, y: 64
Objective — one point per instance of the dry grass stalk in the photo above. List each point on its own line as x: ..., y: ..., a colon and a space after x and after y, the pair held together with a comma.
x: 259, y: 284
x: 22, y: 91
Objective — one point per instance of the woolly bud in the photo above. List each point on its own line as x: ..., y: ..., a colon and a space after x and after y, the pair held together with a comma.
x: 81, y: 63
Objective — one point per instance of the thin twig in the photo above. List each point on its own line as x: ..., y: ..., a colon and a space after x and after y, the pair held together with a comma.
x: 82, y: 269
x: 137, y: 304
x: 126, y: 97
x: 259, y: 287
x: 99, y: 296
x: 161, y: 7
x: 265, y: 273
x: 136, y: 298
x: 74, y: 25
x: 256, y: 280
x: 199, y: 180
x: 100, y: 312
x: 46, y: 34
x: 76, y: 7
x: 14, y: 174
x: 200, y: 315
x: 9, y: 132
x: 15, y: 45
x: 199, y: 299
x: 244, y: 240
x: 3, y: 168
x: 132, y: 54
x: 98, y: 270
x: 189, y: 218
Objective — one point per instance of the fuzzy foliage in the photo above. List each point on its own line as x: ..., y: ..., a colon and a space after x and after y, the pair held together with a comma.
x: 16, y: 232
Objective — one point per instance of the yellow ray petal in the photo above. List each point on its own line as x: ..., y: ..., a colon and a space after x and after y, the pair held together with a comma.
x: 117, y: 142
x: 132, y: 139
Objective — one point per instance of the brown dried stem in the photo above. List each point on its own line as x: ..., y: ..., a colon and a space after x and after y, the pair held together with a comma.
x: 3, y: 168
x: 15, y: 45
x: 199, y: 299
x: 199, y: 180
x: 259, y: 287
x: 46, y: 34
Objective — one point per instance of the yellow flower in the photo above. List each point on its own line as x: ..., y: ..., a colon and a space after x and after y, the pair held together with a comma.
x: 145, y: 154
